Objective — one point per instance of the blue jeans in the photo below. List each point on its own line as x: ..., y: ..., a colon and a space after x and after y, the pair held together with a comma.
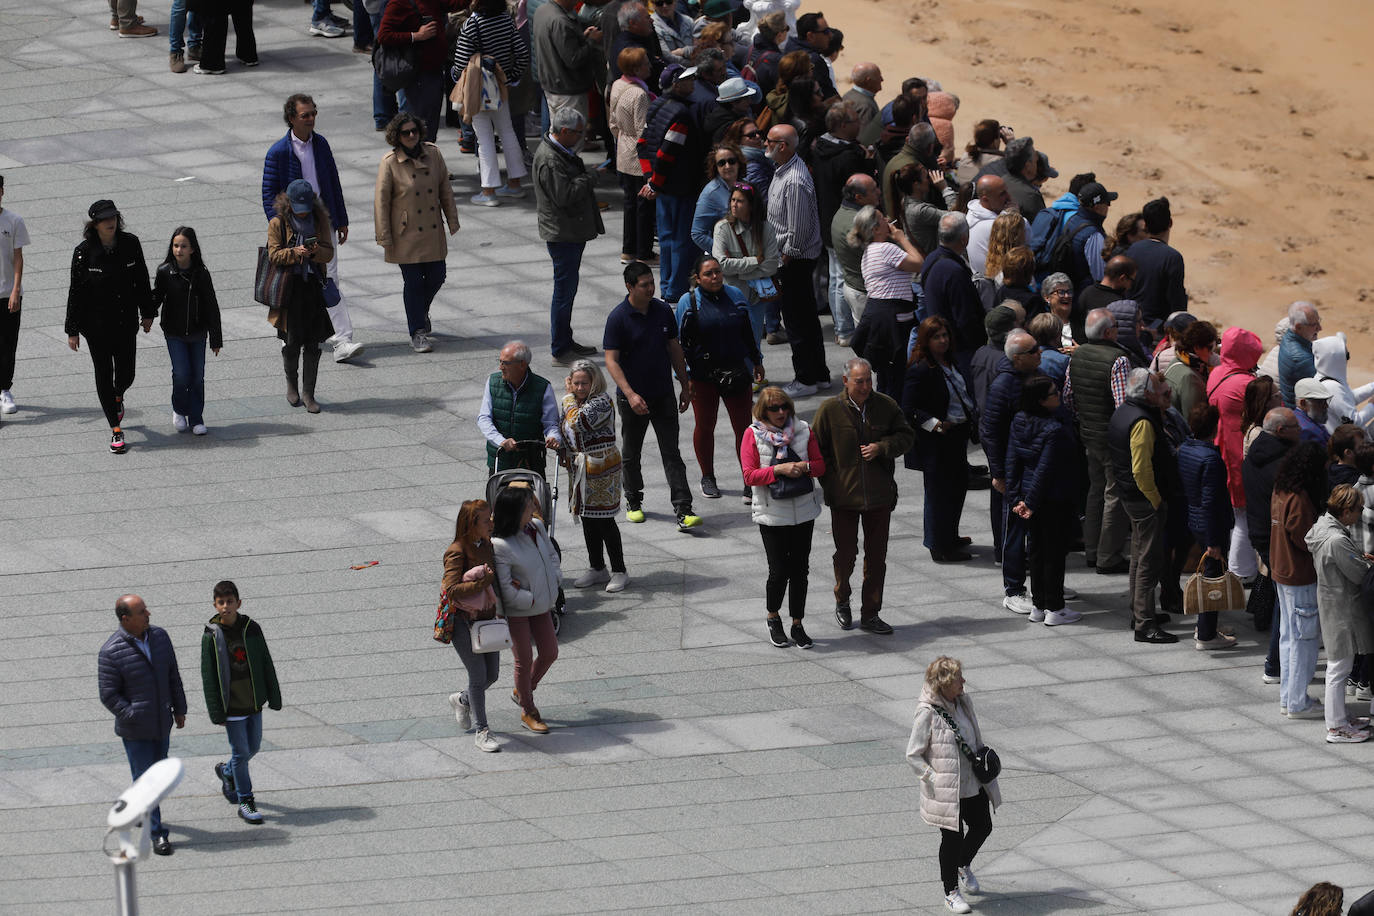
x: 422, y: 282
x: 424, y: 99
x: 567, y: 262
x: 143, y: 753
x: 245, y: 737
x: 321, y: 11
x: 383, y: 99
x: 188, y: 376
x: 179, y: 22
x: 676, y: 250
x: 839, y: 309
x: 1299, y: 637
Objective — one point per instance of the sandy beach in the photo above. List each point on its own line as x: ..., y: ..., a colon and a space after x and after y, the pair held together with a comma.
x: 1247, y: 114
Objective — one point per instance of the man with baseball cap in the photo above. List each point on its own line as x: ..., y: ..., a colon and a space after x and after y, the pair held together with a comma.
x: 1085, y: 236
x: 1313, y: 399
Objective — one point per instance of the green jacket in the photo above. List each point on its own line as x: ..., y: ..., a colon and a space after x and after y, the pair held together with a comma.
x: 214, y: 669
x: 849, y: 481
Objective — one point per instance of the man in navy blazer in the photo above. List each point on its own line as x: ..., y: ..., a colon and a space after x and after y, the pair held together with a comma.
x: 141, y: 685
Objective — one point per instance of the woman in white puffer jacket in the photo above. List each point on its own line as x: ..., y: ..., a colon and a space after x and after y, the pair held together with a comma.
x: 950, y: 793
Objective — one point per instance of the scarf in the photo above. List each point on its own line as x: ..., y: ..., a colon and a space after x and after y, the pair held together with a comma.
x: 781, y: 439
x: 1192, y: 362
x: 640, y: 83
x: 414, y: 152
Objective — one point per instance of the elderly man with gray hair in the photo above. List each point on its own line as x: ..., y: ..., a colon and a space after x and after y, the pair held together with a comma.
x: 861, y: 434
x: 518, y: 408
x: 1094, y: 387
x: 1296, y: 361
x: 948, y: 290
x: 1142, y: 465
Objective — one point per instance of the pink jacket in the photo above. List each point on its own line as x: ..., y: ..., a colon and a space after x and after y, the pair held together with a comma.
x: 1241, y: 350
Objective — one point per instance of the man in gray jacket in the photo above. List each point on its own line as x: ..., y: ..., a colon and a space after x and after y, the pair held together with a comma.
x: 568, y: 220
x: 141, y: 685
x: 567, y: 57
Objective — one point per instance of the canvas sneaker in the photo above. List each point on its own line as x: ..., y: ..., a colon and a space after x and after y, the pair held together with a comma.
x: 1018, y: 604
x: 485, y: 742
x: 1060, y: 617
x: 248, y: 810
x: 954, y: 902
x: 461, y: 710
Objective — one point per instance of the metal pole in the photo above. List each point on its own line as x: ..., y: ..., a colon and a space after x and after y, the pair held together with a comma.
x: 126, y: 892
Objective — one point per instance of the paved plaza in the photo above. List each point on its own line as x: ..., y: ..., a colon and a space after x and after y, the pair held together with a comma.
x: 692, y: 767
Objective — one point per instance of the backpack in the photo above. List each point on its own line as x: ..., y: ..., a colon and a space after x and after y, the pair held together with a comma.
x: 1062, y: 254
x: 1044, y: 233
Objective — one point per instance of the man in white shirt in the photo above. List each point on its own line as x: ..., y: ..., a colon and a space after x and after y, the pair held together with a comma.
x: 13, y: 238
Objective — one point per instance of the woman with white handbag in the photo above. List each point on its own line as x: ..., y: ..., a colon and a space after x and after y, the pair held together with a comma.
x: 469, y: 574
x: 529, y: 574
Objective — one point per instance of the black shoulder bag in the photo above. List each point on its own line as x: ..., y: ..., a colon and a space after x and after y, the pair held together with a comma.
x: 395, y: 64
x: 985, y: 762
x: 789, y: 487
x: 728, y: 380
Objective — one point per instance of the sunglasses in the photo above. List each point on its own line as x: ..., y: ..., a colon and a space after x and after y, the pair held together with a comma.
x: 729, y: 161
x: 743, y: 186
x: 772, y: 407
x: 410, y: 132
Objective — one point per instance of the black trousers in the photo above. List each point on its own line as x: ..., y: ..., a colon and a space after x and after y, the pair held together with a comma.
x: 216, y: 24
x: 603, y: 532
x: 113, y: 354
x: 803, y: 324
x: 662, y: 416
x: 946, y: 484
x: 788, y: 548
x: 958, y: 847
x: 640, y: 219
x: 9, y: 343
x: 1047, y: 543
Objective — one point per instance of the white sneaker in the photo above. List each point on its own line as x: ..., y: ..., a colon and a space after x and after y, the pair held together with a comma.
x: 955, y: 902
x: 1070, y: 594
x: 1061, y: 617
x: 618, y: 582
x: 1220, y: 641
x: 1018, y: 604
x: 345, y: 350
x: 1037, y: 615
x: 795, y: 389
x: 179, y: 421
x: 592, y: 577
x: 485, y: 742
x: 326, y: 29
x: 199, y: 429
x: 7, y: 402
x: 461, y: 710
x: 968, y: 882
x: 1314, y: 710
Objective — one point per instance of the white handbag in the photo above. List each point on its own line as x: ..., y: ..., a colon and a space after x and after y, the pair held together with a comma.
x: 490, y: 635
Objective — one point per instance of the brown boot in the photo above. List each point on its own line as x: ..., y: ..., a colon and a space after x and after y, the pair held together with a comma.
x: 177, y: 62
x: 309, y: 371
x: 138, y: 31
x: 291, y: 361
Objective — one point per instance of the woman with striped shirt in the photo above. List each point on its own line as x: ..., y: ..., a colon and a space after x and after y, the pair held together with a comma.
x: 490, y: 31
x: 889, y: 261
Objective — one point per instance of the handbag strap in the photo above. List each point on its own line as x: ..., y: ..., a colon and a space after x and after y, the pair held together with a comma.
x: 963, y: 745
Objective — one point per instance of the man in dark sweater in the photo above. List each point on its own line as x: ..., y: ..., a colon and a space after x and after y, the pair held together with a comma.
x: 1159, y: 268
x: 947, y: 282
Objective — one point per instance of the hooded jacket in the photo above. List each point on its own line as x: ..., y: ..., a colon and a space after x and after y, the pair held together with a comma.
x: 933, y: 747
x: 215, y: 669
x: 1346, y: 628
x: 832, y: 162
x: 1329, y: 355
x: 980, y: 220
x: 1226, y: 390
x: 1260, y: 467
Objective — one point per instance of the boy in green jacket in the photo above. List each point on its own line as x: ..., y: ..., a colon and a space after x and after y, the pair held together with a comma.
x: 237, y: 673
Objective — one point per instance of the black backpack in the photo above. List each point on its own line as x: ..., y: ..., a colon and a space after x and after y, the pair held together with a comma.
x: 1062, y: 257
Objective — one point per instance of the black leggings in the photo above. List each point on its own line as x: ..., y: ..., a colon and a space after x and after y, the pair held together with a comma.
x: 603, y: 531
x: 113, y: 357
x: 957, y: 851
x: 788, y: 548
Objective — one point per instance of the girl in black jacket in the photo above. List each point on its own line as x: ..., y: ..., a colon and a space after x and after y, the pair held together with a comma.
x: 190, y: 314
x: 109, y: 297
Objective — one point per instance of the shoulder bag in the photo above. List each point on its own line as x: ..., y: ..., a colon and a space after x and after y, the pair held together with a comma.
x: 728, y: 380
x: 764, y: 287
x: 395, y: 64
x: 443, y: 619
x: 269, y: 281
x: 1224, y: 593
x: 490, y: 635
x: 985, y: 762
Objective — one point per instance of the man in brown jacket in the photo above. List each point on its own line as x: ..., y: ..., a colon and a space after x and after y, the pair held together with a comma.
x: 861, y: 433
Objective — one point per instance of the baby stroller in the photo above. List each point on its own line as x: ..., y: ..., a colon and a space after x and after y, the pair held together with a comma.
x: 546, y: 498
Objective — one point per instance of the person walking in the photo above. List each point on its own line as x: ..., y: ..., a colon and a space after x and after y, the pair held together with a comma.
x: 185, y: 295
x: 952, y: 799
x: 298, y: 237
x: 1346, y: 630
x: 13, y: 237
x: 781, y: 459
x: 410, y: 205
x: 490, y: 31
x: 140, y: 684
x: 722, y: 354
x: 469, y: 575
x: 419, y: 24
x: 109, y: 298
x: 529, y: 575
x: 238, y: 678
x: 594, y: 463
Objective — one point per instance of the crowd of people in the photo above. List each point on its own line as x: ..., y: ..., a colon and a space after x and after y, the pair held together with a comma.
x: 1111, y: 420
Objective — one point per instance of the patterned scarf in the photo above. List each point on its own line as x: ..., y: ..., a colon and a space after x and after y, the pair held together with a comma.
x: 781, y: 439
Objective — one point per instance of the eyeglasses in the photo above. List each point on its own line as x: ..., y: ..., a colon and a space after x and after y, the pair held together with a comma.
x: 771, y: 141
x: 1062, y: 294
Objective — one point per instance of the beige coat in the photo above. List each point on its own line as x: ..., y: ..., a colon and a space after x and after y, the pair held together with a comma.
x: 412, y: 200
x: 934, y: 746
x: 627, y: 111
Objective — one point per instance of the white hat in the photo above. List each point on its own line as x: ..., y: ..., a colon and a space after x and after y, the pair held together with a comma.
x: 734, y: 89
x: 1309, y: 389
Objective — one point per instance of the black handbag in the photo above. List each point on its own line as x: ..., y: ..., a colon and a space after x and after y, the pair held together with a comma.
x: 985, y: 762
x: 790, y: 487
x: 395, y: 64
x: 728, y: 380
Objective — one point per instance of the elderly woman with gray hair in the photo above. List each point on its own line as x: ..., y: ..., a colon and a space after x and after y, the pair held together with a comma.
x: 889, y: 261
x: 594, y: 463
x: 1057, y: 290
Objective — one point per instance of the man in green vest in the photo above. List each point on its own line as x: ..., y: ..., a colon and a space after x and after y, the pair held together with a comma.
x: 518, y: 406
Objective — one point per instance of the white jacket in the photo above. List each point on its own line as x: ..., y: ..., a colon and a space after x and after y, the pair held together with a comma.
x: 934, y: 748
x: 1329, y: 353
x: 798, y: 509
x: 532, y: 563
x: 980, y: 220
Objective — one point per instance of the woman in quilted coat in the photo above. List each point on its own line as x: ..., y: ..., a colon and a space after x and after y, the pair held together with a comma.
x: 950, y: 793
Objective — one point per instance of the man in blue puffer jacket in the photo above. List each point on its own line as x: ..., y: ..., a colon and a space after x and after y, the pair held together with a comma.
x: 141, y: 684
x: 1296, y: 361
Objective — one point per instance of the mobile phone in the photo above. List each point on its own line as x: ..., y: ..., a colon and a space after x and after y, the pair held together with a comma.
x: 310, y: 242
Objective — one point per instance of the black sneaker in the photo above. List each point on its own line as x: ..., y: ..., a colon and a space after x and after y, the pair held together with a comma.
x: 709, y: 488
x: 800, y: 638
x: 875, y: 625
x: 775, y: 633
x: 584, y: 350
x: 117, y: 445
x: 1120, y: 568
x: 843, y: 617
x: 226, y: 784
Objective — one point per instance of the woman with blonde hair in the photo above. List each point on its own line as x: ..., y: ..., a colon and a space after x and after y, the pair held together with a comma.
x: 1008, y: 232
x: 594, y: 462
x: 951, y: 795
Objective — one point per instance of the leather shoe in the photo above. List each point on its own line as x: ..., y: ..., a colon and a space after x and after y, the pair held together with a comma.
x: 950, y: 556
x: 1153, y: 634
x: 962, y: 541
x: 534, y: 724
x: 162, y: 846
x: 875, y: 625
x: 1115, y: 569
x: 584, y: 350
x: 843, y: 617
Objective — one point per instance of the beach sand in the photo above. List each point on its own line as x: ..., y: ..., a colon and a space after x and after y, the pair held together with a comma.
x: 1252, y: 116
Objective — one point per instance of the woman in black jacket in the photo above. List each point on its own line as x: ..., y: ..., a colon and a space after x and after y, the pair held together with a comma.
x: 108, y: 298
x: 190, y: 313
x: 1040, y: 489
x: 940, y: 407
